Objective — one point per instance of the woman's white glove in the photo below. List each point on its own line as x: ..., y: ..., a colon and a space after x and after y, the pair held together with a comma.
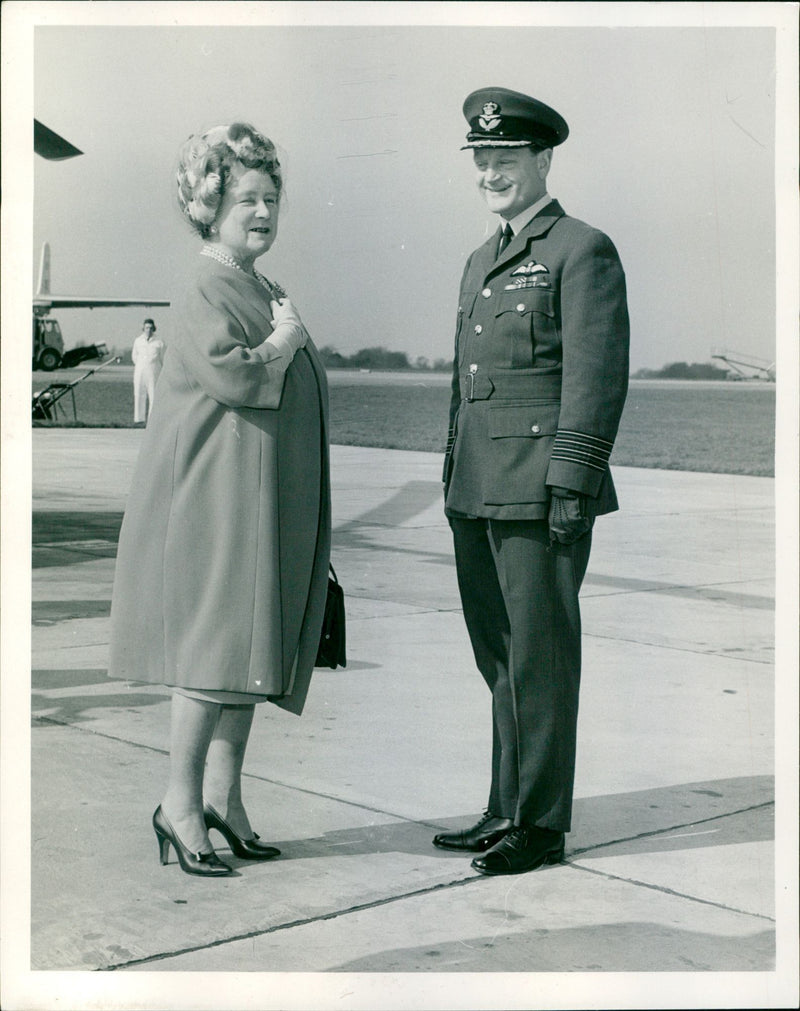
x: 287, y: 337
x: 287, y: 327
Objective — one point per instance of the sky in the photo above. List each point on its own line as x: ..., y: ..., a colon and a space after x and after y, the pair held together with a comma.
x: 671, y: 153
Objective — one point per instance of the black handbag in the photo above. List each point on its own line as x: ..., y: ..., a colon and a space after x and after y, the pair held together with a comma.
x: 331, y: 651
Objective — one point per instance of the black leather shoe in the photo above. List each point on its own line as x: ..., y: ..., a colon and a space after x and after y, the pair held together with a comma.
x: 482, y: 836
x: 207, y: 865
x: 247, y: 849
x: 522, y: 849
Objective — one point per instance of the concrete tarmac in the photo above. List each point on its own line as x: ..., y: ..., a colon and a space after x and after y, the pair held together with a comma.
x: 670, y: 865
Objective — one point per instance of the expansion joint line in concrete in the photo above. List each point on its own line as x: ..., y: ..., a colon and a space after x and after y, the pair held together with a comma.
x: 305, y: 921
x: 49, y: 720
x: 422, y: 891
x: 669, y: 891
x: 677, y: 649
x: 671, y: 828
x: 671, y: 587
x: 662, y: 832
x: 420, y: 610
x: 391, y: 814
x: 377, y: 903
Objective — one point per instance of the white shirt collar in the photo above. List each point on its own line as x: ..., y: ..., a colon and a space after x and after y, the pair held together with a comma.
x: 522, y: 219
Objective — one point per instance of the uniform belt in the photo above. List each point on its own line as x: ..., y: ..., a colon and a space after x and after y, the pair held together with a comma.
x: 517, y: 384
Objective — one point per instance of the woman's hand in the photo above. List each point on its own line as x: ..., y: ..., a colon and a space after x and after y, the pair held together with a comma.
x: 287, y: 327
x: 284, y: 312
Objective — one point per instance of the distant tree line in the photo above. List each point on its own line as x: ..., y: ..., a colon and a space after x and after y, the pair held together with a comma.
x: 381, y: 360
x: 682, y: 370
x: 377, y: 359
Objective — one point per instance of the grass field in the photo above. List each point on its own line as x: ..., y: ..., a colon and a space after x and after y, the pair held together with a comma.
x: 701, y: 426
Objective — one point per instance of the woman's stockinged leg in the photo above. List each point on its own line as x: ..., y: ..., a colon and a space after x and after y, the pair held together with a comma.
x: 223, y: 782
x: 193, y: 722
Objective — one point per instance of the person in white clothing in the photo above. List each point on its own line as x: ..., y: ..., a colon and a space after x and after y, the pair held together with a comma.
x: 147, y: 354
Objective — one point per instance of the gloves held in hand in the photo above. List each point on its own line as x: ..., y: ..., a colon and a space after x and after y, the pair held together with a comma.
x: 569, y: 517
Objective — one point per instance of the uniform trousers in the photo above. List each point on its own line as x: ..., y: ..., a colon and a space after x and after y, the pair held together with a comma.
x: 144, y: 388
x: 520, y: 598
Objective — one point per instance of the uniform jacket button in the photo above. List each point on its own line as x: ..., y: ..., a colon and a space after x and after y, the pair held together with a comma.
x: 521, y: 307
x: 478, y: 328
x: 486, y: 292
x: 535, y: 429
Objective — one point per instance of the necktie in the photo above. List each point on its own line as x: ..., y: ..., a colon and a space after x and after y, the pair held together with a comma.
x: 505, y: 237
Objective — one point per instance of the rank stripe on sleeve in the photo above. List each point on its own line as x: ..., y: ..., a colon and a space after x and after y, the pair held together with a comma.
x: 577, y: 447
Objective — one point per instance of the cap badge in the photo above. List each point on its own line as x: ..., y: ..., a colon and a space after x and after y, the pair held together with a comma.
x: 490, y: 120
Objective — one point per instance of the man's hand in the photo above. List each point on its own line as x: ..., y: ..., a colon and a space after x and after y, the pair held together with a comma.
x: 569, y: 517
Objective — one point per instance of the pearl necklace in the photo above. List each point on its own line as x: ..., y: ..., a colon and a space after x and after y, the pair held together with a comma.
x: 217, y: 254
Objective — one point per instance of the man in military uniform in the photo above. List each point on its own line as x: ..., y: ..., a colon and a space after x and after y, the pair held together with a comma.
x: 539, y: 382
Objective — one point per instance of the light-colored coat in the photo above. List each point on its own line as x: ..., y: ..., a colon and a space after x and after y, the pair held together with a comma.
x: 223, y: 555
x: 541, y: 371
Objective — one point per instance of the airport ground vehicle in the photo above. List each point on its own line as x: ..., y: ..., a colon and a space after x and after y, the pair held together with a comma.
x: 48, y: 347
x: 48, y: 343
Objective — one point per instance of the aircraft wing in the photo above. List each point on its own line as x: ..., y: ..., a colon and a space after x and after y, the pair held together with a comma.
x: 50, y: 145
x: 44, y: 300
x: 89, y: 302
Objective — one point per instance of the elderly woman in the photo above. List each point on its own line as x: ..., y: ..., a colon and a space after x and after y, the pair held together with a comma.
x: 223, y: 554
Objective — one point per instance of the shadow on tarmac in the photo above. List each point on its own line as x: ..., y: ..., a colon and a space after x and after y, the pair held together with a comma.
x: 62, y: 538
x: 68, y: 678
x: 602, y: 947
x: 53, y: 612
x: 68, y: 537
x: 76, y: 709
x: 602, y: 813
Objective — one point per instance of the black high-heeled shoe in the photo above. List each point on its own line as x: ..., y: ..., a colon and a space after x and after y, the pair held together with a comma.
x: 207, y: 864
x: 247, y: 849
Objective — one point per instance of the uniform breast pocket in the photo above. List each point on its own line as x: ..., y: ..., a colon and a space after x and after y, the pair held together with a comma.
x: 527, y: 319
x: 522, y: 437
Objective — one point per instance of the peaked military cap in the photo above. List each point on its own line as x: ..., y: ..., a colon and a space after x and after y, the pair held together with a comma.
x: 498, y: 117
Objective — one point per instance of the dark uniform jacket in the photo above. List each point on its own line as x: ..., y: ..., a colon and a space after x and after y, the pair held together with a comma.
x: 540, y: 373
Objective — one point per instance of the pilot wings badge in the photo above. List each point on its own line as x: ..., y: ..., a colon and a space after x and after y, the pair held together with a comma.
x: 530, y: 268
x: 490, y: 120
